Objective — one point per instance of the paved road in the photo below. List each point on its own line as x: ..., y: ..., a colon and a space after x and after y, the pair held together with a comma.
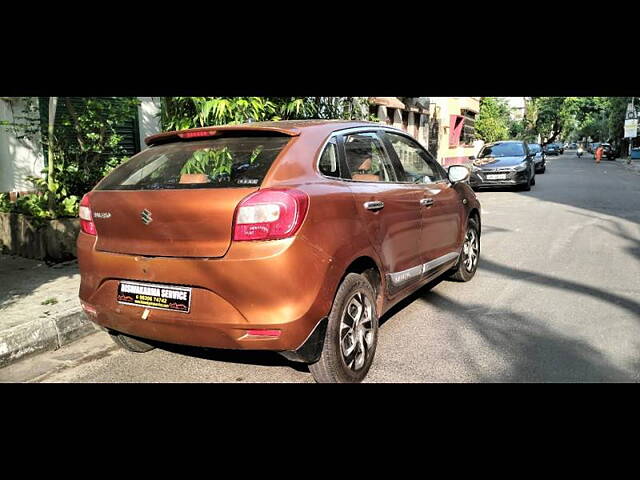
x: 556, y: 299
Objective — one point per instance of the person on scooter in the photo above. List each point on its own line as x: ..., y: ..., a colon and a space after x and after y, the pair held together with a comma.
x: 580, y: 151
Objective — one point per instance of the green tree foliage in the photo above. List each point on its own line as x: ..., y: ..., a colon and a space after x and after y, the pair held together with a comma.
x: 616, y: 115
x: 493, y: 121
x: 589, y: 117
x: 179, y: 113
x: 85, y: 147
x: 552, y: 117
x: 518, y: 130
x: 600, y: 118
x: 87, y: 141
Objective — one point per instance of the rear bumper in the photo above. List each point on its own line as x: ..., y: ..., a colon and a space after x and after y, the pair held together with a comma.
x: 278, y: 285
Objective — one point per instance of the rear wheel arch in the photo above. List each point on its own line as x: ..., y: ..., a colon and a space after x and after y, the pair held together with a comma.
x: 369, y: 268
x: 312, y: 348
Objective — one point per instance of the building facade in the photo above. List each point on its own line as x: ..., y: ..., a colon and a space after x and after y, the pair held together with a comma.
x: 443, y: 125
x: 456, y: 128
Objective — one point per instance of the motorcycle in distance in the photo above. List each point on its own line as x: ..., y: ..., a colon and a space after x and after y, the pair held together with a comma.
x: 579, y: 152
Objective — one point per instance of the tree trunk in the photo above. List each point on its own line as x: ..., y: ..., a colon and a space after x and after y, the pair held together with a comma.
x: 53, y: 103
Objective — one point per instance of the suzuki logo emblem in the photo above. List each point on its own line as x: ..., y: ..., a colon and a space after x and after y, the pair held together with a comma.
x: 146, y: 216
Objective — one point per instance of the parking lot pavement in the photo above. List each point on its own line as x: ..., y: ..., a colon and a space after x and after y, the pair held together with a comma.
x: 555, y: 299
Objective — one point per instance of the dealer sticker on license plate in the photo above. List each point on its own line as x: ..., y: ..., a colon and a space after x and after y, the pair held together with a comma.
x: 502, y: 176
x: 149, y: 295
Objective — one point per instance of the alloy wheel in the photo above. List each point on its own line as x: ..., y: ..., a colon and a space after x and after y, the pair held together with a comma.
x: 470, y: 250
x: 357, y: 335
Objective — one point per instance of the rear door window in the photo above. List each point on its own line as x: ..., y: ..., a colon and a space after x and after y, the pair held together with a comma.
x: 233, y: 161
x: 366, y: 159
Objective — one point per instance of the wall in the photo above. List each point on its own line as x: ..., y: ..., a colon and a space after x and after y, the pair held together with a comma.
x: 148, y: 114
x: 443, y: 108
x: 54, y: 240
x: 19, y: 158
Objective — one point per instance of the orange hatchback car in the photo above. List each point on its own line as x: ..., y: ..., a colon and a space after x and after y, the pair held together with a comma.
x: 288, y: 236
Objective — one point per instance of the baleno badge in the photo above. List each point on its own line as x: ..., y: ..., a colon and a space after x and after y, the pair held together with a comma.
x: 146, y: 216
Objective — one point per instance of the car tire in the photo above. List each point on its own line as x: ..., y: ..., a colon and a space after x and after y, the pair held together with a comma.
x: 543, y: 169
x: 525, y: 187
x: 129, y: 343
x: 465, y: 269
x: 351, y: 340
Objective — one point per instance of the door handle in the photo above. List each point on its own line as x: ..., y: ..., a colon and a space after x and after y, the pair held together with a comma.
x: 377, y: 205
x: 427, y: 202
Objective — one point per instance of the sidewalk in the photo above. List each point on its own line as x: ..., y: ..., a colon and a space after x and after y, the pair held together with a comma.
x: 634, y: 166
x: 39, y: 307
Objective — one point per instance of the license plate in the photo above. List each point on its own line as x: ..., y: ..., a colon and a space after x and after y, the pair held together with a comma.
x: 150, y: 295
x: 502, y: 176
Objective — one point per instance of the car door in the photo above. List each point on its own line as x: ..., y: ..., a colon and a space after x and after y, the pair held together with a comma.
x: 441, y: 207
x: 388, y: 209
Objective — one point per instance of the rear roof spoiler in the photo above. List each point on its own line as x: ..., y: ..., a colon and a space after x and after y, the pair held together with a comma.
x: 215, y: 131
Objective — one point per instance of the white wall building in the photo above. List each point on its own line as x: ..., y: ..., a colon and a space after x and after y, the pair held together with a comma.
x: 19, y: 157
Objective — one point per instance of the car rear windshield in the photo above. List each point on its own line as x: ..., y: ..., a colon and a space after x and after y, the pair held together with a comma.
x: 534, y: 148
x: 502, y: 150
x: 233, y: 161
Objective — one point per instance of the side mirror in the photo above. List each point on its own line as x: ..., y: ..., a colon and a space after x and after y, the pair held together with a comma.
x: 472, y: 158
x: 458, y: 173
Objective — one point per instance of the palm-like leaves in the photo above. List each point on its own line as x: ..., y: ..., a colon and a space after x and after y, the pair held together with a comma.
x: 180, y: 113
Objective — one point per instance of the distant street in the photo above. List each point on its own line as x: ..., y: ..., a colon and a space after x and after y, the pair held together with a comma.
x: 556, y: 299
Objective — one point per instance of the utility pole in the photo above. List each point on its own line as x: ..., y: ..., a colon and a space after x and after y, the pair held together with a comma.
x: 631, y: 125
x: 633, y: 109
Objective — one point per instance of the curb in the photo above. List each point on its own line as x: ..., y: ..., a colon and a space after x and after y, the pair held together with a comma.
x: 43, y: 334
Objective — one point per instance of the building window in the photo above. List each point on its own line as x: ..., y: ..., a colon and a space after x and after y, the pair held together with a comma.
x: 456, y: 122
x: 468, y: 133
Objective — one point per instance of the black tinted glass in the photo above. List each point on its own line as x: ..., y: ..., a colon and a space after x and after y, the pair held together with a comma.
x: 328, y: 164
x: 502, y: 150
x: 216, y: 163
x: 534, y: 148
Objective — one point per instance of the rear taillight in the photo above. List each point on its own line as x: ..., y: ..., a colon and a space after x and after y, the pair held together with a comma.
x: 270, y: 214
x: 86, y: 217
